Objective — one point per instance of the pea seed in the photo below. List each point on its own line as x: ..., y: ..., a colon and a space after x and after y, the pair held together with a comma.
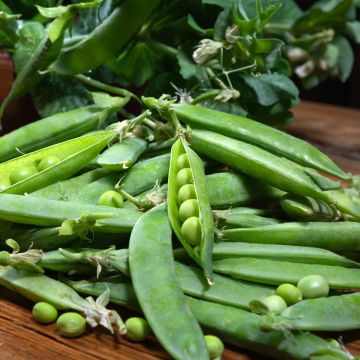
x: 44, y: 313
x: 290, y: 293
x: 48, y: 162
x: 188, y: 209
x: 183, y: 161
x: 191, y: 230
x: 111, y: 198
x: 184, y: 176
x: 186, y: 192
x: 275, y: 303
x: 138, y: 329
x: 215, y: 346
x: 18, y: 175
x: 313, y: 286
x: 71, y: 324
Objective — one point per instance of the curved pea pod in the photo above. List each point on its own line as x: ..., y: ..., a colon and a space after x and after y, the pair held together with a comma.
x: 68, y: 189
x: 204, y: 238
x: 234, y: 325
x: 261, y: 135
x: 256, y: 162
x: 293, y: 253
x: 51, y: 130
x: 160, y: 296
x: 235, y: 218
x: 305, y: 208
x: 126, y: 20
x: 122, y: 155
x: 43, y: 212
x: 72, y: 154
x: 333, y: 313
x: 344, y: 203
x: 232, y: 188
x: 326, y: 235
x: 275, y: 272
x: 323, y: 182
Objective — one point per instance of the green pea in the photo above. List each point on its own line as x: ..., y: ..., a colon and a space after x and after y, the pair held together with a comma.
x: 183, y: 161
x: 48, y: 162
x: 191, y: 230
x: 71, y: 324
x: 18, y: 175
x: 275, y: 304
x: 44, y: 313
x: 188, y: 209
x: 111, y: 198
x: 313, y: 286
x: 138, y: 329
x: 215, y: 346
x: 186, y: 192
x: 184, y: 176
x: 290, y: 293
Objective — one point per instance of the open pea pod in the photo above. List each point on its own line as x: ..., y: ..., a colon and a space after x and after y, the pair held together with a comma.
x: 43, y: 167
x: 188, y: 205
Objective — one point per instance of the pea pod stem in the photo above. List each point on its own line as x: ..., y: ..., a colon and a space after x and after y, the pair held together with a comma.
x: 105, y: 87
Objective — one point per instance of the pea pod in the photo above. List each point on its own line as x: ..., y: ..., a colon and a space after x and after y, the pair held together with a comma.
x: 43, y: 212
x: 253, y: 132
x: 275, y: 272
x: 196, y: 227
x: 326, y: 235
x: 333, y: 313
x: 296, y: 254
x: 122, y: 155
x: 160, y: 296
x: 126, y: 20
x: 71, y: 155
x: 232, y: 188
x: 236, y: 326
x: 256, y: 162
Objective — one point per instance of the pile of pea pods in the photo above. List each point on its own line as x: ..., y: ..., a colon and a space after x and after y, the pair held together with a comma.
x: 223, y: 229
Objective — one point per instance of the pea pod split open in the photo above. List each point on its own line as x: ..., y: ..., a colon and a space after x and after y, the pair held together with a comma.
x: 188, y: 205
x: 71, y: 156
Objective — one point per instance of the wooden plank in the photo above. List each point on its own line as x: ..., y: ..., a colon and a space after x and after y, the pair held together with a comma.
x: 335, y: 130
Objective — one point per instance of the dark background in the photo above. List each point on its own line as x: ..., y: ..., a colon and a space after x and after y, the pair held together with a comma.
x: 334, y: 91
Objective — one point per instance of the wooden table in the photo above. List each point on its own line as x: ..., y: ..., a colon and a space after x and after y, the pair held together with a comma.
x: 333, y: 129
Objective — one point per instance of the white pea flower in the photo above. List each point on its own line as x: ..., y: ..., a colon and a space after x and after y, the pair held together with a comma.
x: 206, y: 50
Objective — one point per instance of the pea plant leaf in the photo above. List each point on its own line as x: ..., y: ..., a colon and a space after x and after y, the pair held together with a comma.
x: 352, y: 30
x: 345, y: 58
x: 57, y: 93
x: 271, y: 88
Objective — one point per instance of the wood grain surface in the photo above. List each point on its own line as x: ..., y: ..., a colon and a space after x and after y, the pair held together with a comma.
x: 335, y: 130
